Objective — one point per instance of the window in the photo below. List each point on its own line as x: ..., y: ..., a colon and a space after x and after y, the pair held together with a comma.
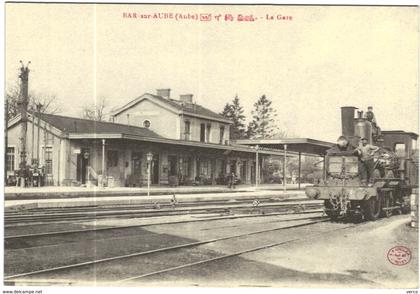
x: 400, y: 149
x: 112, y: 158
x: 146, y: 123
x: 10, y: 159
x: 413, y: 144
x: 49, y: 160
x: 202, y: 132
x: 205, y: 168
x: 242, y: 170
x: 185, y: 166
x: 222, y: 134
x: 187, y: 130
x: 208, y: 133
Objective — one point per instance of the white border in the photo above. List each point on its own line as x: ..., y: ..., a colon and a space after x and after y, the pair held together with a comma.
x: 71, y: 290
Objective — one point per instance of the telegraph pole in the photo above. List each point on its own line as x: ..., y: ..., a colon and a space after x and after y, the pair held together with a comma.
x: 6, y: 121
x: 23, y: 107
x: 38, y: 109
x: 33, y: 134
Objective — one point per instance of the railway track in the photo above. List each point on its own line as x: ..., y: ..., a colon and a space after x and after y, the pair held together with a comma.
x: 219, y: 258
x: 157, y: 223
x: 12, y: 279
x: 31, y: 277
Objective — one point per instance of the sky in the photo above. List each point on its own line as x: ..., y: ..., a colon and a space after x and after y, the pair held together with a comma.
x: 324, y: 58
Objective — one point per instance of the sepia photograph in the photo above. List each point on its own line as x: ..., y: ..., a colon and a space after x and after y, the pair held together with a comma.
x: 210, y: 145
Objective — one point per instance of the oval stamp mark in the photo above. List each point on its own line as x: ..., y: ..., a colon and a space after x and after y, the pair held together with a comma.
x: 399, y: 255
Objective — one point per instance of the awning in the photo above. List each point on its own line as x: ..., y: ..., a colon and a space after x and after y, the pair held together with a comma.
x: 228, y: 147
x: 305, y: 146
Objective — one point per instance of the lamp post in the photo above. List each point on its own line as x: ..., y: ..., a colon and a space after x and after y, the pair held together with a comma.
x: 285, y: 168
x: 103, y: 163
x: 38, y: 109
x: 257, y: 167
x: 149, y: 158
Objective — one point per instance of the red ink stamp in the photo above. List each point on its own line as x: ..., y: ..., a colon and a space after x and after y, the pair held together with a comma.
x: 399, y: 255
x: 205, y: 16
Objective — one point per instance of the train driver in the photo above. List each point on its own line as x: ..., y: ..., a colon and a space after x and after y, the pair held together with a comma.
x: 343, y: 146
x: 366, y: 152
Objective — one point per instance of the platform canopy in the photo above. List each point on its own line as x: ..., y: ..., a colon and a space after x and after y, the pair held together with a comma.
x: 304, y: 146
x: 300, y: 146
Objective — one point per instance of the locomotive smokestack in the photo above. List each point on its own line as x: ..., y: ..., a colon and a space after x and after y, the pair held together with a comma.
x: 347, y: 121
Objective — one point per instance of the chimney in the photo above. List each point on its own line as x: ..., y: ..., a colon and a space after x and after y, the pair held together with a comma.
x: 347, y: 121
x: 165, y: 93
x: 186, y: 98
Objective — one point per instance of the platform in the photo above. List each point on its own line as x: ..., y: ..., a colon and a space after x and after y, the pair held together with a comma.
x: 22, y: 204
x: 53, y: 192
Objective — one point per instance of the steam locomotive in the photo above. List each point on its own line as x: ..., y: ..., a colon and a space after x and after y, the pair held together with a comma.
x: 395, y: 173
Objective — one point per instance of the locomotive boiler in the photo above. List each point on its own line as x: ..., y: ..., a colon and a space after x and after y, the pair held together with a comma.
x: 395, y: 172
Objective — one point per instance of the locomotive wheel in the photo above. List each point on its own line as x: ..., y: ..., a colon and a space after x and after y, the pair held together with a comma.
x: 388, y: 202
x: 332, y: 214
x: 372, y: 208
x: 405, y: 208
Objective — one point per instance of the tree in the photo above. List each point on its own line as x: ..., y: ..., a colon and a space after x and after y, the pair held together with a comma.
x: 292, y: 167
x: 263, y: 123
x: 235, y: 112
x: 95, y: 111
x: 311, y: 169
x: 48, y: 102
x: 272, y: 169
x: 280, y: 134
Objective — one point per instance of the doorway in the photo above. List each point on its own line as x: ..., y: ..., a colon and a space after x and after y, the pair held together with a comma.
x: 253, y: 173
x: 154, y: 170
x: 243, y: 169
x: 233, y: 167
x: 172, y: 165
x: 136, y: 163
x: 82, y: 164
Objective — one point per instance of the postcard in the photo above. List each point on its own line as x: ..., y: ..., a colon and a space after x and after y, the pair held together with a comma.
x: 210, y: 145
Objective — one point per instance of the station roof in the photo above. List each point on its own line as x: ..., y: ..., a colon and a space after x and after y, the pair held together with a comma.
x: 304, y: 146
x: 226, y: 148
x: 75, y: 125
x: 190, y: 109
x: 411, y: 134
x: 76, y: 129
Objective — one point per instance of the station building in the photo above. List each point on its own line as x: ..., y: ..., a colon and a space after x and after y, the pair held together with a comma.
x: 184, y: 142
